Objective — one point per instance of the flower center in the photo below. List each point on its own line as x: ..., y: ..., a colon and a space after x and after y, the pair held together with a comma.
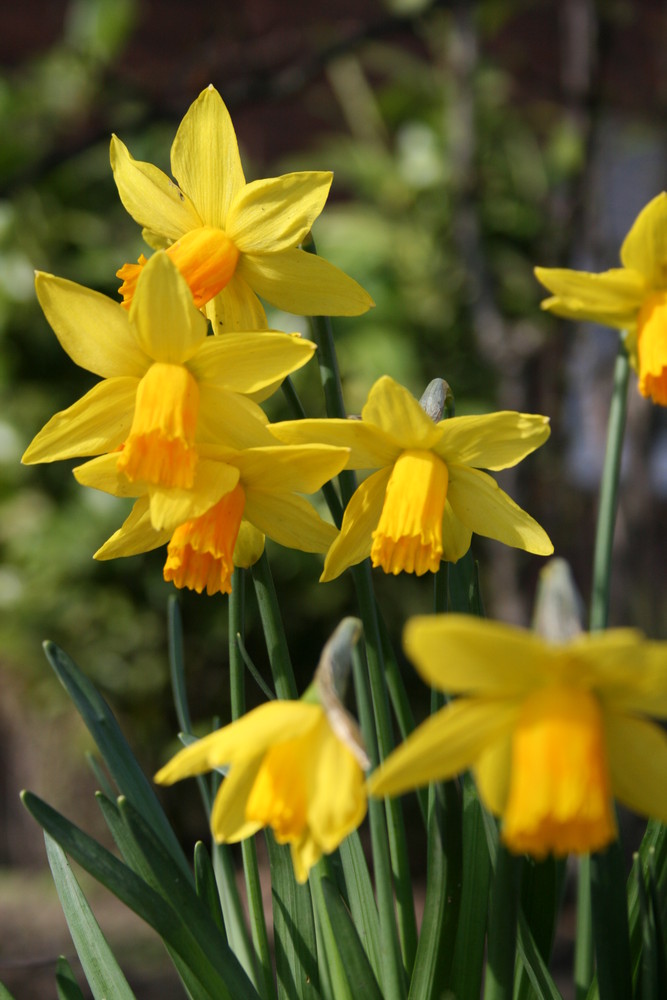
x: 279, y: 796
x: 560, y: 791
x: 201, y: 552
x: 409, y: 534
x: 160, y: 447
x: 206, y: 257
x: 652, y: 348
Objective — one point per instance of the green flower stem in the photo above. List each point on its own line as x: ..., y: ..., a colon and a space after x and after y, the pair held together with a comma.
x: 503, y: 915
x: 604, y: 535
x: 260, y: 937
x: 591, y: 932
x: 274, y: 631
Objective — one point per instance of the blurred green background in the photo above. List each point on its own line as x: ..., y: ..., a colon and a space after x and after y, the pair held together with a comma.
x: 469, y: 141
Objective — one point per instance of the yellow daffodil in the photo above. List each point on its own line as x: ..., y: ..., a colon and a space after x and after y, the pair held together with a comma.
x: 166, y: 384
x: 631, y: 298
x: 292, y: 768
x: 428, y: 494
x: 237, y: 498
x: 232, y: 241
x: 553, y: 731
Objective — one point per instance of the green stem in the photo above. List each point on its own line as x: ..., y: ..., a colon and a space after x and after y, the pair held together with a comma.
x: 274, y: 631
x: 503, y: 915
x: 604, y: 534
x: 584, y: 964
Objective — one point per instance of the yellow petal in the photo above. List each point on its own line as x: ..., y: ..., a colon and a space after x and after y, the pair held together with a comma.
x: 289, y: 520
x: 612, y: 297
x: 492, y: 441
x: 102, y: 474
x: 248, y: 362
x: 359, y: 521
x: 205, y: 158
x: 290, y: 468
x: 277, y: 213
x: 171, y: 507
x: 479, y: 503
x: 169, y: 327
x: 446, y: 744
x: 228, y: 419
x: 336, y: 794
x: 302, y: 283
x: 242, y: 740
x: 151, y: 198
x: 638, y: 763
x: 652, y: 348
x: 645, y: 247
x: 236, y: 308
x: 98, y: 422
x: 136, y: 535
x: 92, y: 328
x: 396, y: 412
x: 228, y: 816
x: 461, y: 654
x: 456, y: 537
x: 492, y: 774
x: 249, y: 545
x: 370, y: 447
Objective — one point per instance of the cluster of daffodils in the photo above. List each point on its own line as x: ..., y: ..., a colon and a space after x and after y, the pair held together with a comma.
x: 185, y: 360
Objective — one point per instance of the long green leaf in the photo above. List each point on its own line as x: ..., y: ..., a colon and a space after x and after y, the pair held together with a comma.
x: 361, y: 898
x: 611, y: 932
x: 115, y: 750
x: 209, y: 971
x: 103, y: 974
x: 67, y: 987
x: 5, y: 994
x: 206, y: 886
x: 358, y: 972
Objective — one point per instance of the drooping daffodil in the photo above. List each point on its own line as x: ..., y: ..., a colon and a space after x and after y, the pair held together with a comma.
x: 428, y: 494
x: 632, y: 298
x: 295, y: 766
x: 232, y: 241
x: 165, y: 385
x: 552, y: 731
x: 220, y: 522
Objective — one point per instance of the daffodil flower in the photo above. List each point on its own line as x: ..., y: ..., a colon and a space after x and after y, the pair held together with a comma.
x: 428, y: 494
x: 552, y: 731
x: 292, y: 768
x: 220, y: 522
x: 166, y: 384
x: 631, y: 298
x: 231, y: 240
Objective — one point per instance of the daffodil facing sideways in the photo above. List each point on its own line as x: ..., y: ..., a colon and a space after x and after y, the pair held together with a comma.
x: 166, y: 385
x: 552, y: 731
x: 428, y: 494
x: 632, y: 298
x: 232, y: 241
x: 291, y: 766
x: 237, y: 498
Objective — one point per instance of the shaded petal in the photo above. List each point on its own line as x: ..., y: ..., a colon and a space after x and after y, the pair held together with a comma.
x: 236, y: 308
x: 205, y: 158
x: 302, y: 283
x: 243, y: 740
x: 289, y: 520
x: 638, y: 764
x: 168, y: 325
x: 493, y: 772
x: 277, y: 213
x: 493, y: 440
x: 228, y: 419
x: 612, y: 297
x: 290, y: 468
x: 645, y: 247
x: 98, y: 422
x: 359, y: 521
x: 336, y: 795
x: 151, y: 198
x: 463, y: 654
x: 248, y: 362
x: 370, y: 448
x: 92, y: 328
x: 447, y: 743
x: 228, y: 822
x: 136, y: 535
x: 396, y: 411
x: 456, y: 537
x: 249, y: 545
x: 480, y: 503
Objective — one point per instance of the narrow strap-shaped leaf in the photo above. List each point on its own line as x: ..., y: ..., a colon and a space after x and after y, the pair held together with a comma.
x: 541, y: 893
x: 274, y: 631
x: 648, y: 969
x: 206, y: 886
x: 115, y: 751
x: 100, y: 775
x: 333, y: 976
x: 230, y: 901
x: 503, y: 916
x: 358, y: 972
x: 361, y: 898
x: 657, y: 898
x: 67, y: 988
x: 294, y: 928
x: 610, y: 924
x: 209, y: 971
x: 102, y: 971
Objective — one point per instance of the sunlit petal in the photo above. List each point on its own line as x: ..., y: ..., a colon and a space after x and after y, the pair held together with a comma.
x: 612, y: 297
x: 492, y: 441
x: 370, y: 447
x: 136, y: 535
x: 277, y: 213
x: 638, y: 762
x: 645, y: 247
x: 247, y: 362
x: 169, y: 328
x: 289, y: 520
x: 396, y: 412
x: 236, y: 308
x: 359, y: 521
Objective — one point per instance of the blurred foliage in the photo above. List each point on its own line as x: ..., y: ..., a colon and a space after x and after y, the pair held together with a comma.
x: 400, y: 184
